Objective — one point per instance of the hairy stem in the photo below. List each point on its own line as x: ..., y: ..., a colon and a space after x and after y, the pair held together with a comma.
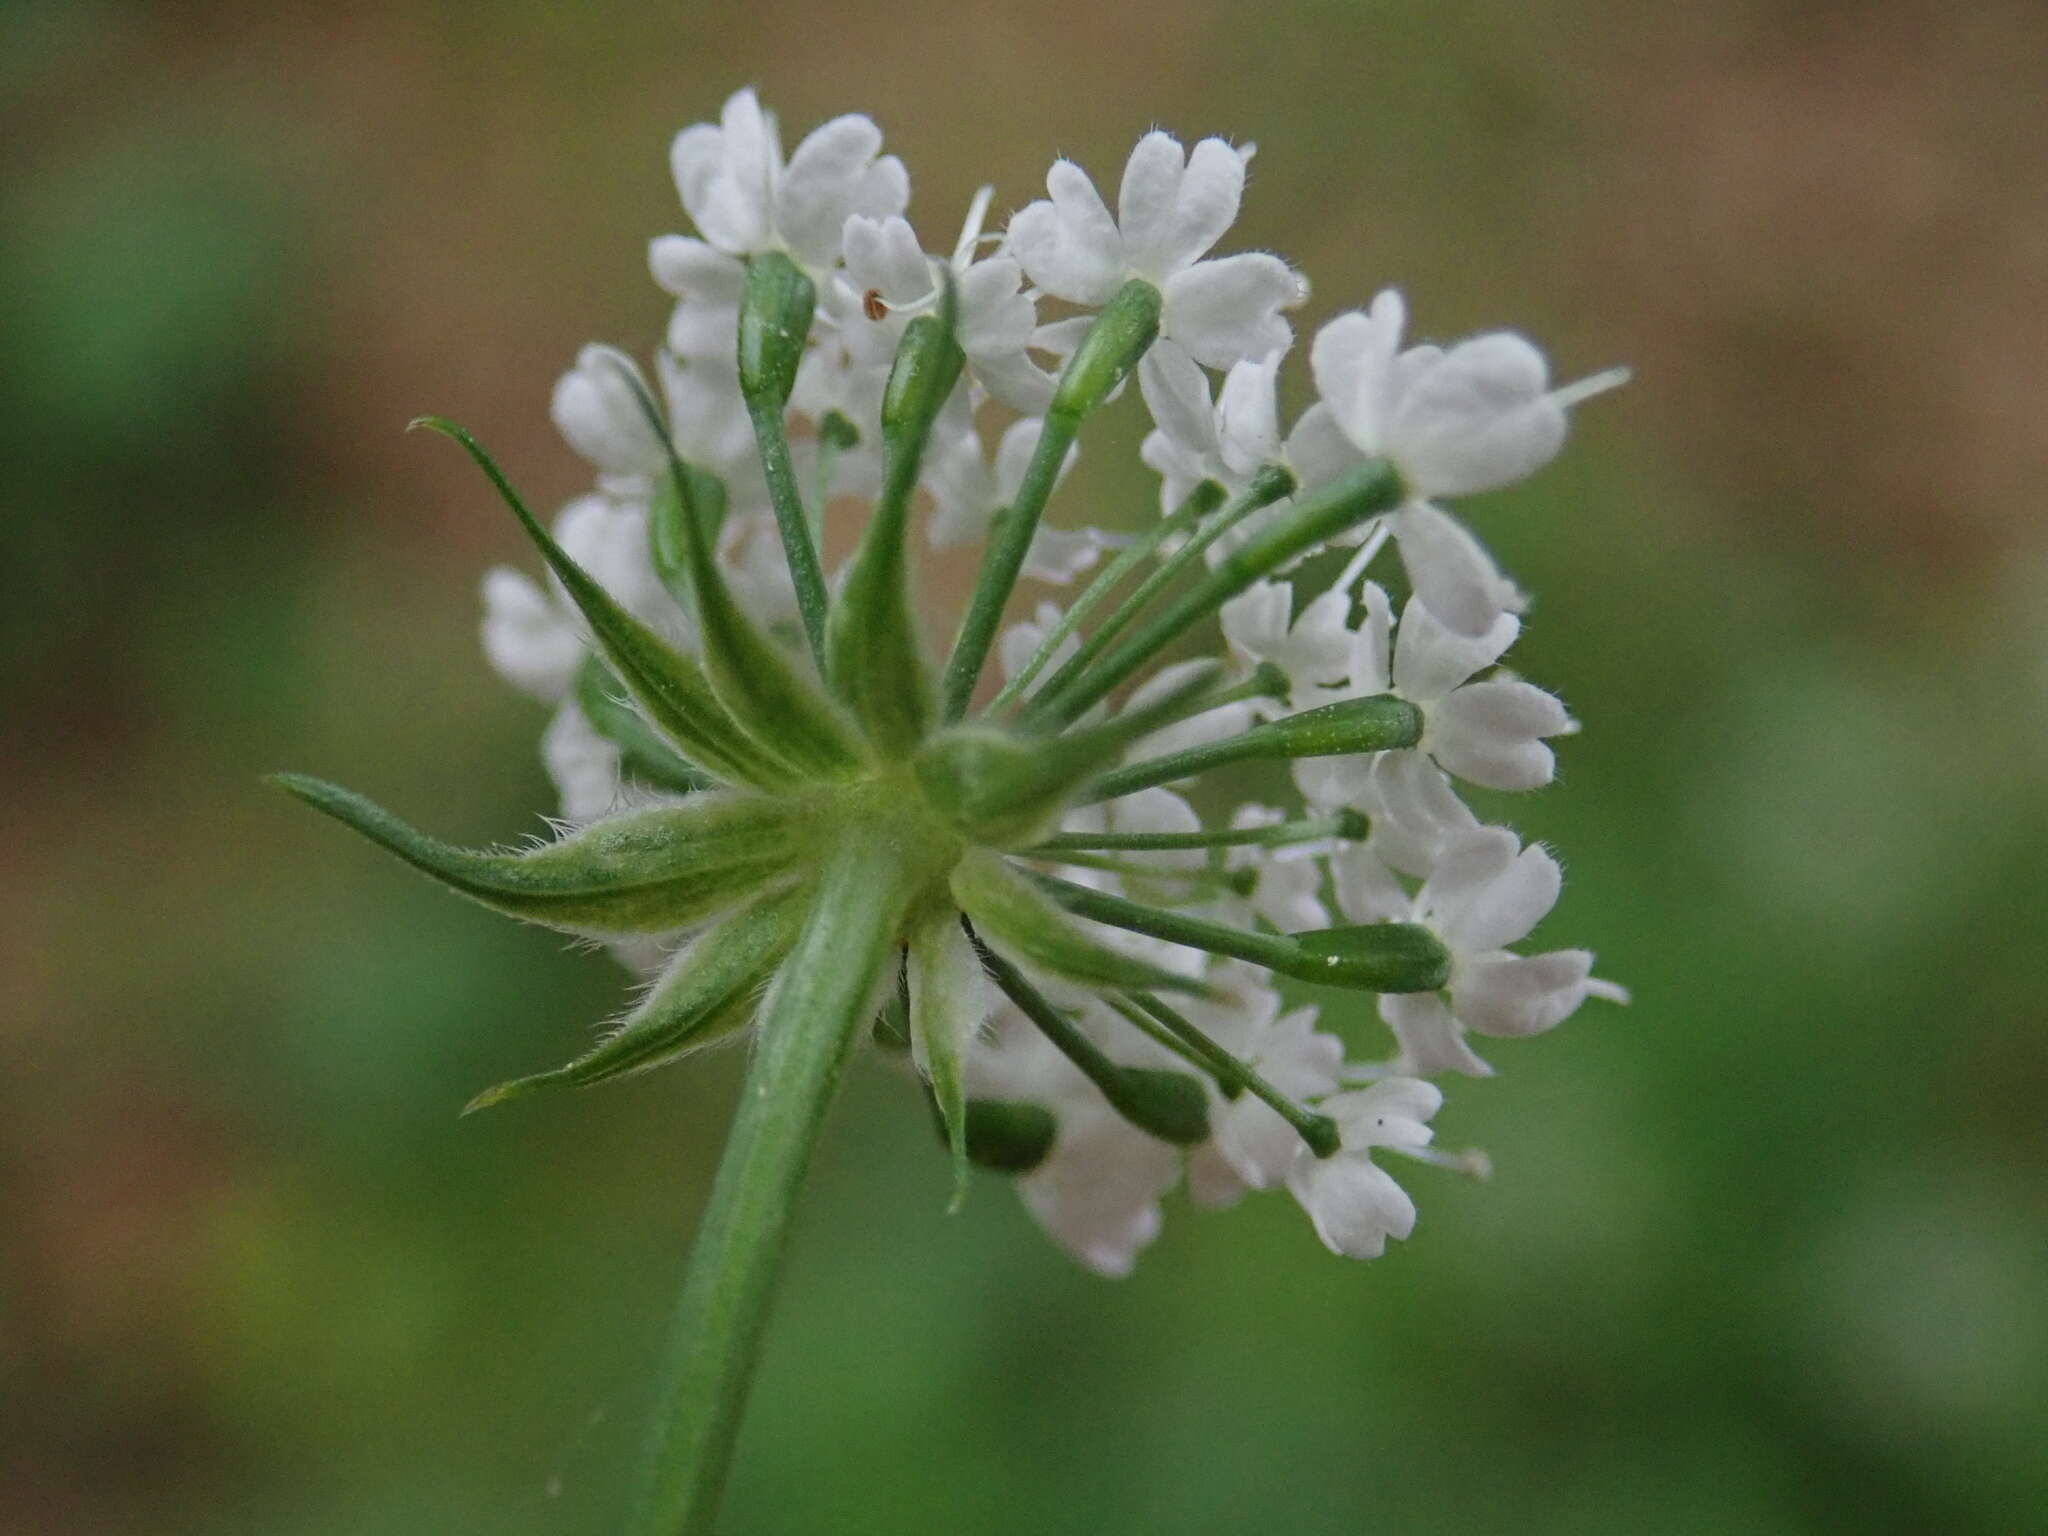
x: 809, y: 1024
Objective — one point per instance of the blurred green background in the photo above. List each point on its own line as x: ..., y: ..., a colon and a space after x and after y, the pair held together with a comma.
x: 1767, y: 1252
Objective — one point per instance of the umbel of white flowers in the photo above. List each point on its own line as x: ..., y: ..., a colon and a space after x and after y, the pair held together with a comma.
x: 769, y: 784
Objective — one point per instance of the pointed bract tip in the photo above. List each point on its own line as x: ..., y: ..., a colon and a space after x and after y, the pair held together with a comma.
x: 505, y: 1092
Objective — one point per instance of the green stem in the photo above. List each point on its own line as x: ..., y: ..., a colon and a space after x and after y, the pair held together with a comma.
x: 1373, y: 488
x: 815, y: 1011
x: 1273, y: 952
x: 1267, y: 487
x: 1351, y: 826
x: 1199, y: 503
x: 1185, y: 764
x: 1232, y: 1075
x: 792, y: 522
x: 1008, y: 541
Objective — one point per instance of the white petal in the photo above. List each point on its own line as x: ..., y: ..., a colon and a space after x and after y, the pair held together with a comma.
x: 1015, y: 380
x: 1013, y: 455
x: 1176, y: 392
x: 883, y: 255
x: 696, y: 157
x: 1328, y: 782
x: 1430, y: 1036
x: 1451, y: 572
x: 1248, y: 414
x: 1058, y: 555
x: 1059, y: 338
x: 599, y: 415
x: 1318, y: 450
x: 1367, y: 890
x: 609, y: 541
x: 1069, y: 246
x: 1207, y: 205
x: 964, y: 496
x: 530, y: 641
x: 726, y: 175
x: 1212, y: 1181
x: 1414, y: 811
x: 883, y: 190
x: 1432, y: 660
x: 1255, y: 621
x: 1479, y: 419
x: 691, y: 269
x: 583, y: 765
x: 1514, y: 995
x: 818, y: 187
x: 1228, y: 309
x: 1320, y: 645
x: 1370, y: 661
x: 1352, y: 359
x: 1155, y: 810
x: 1021, y: 639
x: 1098, y: 1195
x: 1393, y: 1112
x: 1145, y: 204
x: 1355, y: 1205
x: 1499, y: 909
x: 1489, y: 734
x: 1465, y: 866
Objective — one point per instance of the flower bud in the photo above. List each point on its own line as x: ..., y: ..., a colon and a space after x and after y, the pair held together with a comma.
x: 1380, y: 957
x: 1120, y: 336
x: 775, y: 322
x: 1007, y: 1135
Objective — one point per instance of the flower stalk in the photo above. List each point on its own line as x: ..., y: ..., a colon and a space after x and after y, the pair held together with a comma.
x: 809, y: 1025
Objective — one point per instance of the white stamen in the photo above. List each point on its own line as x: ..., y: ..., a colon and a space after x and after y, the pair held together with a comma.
x: 1570, y: 395
x: 970, y: 230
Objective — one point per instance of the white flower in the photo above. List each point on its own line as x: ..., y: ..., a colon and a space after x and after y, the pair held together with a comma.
x: 1194, y: 438
x: 534, y: 638
x: 1288, y: 892
x: 1355, y: 1204
x: 1414, y: 812
x: 886, y: 268
x: 1491, y: 732
x: 1476, y: 417
x: 744, y: 200
x: 583, y: 765
x: 1313, y: 649
x: 1485, y: 893
x: 1097, y: 1194
x: 1250, y: 1146
x: 1173, y: 207
x: 598, y: 413
x: 529, y: 640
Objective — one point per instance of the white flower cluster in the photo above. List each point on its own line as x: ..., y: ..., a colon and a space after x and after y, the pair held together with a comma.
x: 1467, y: 418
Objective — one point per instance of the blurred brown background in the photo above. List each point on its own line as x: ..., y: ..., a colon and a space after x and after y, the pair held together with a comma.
x: 1766, y: 1253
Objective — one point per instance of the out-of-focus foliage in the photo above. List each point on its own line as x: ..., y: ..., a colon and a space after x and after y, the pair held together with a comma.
x: 1766, y: 1253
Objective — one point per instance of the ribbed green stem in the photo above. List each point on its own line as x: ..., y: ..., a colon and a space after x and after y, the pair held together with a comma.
x: 1267, y: 487
x: 1185, y: 764
x: 1373, y: 488
x: 1232, y: 1075
x: 1352, y: 826
x: 1200, y: 502
x: 1009, y: 540
x: 816, y: 1010
x: 771, y: 438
